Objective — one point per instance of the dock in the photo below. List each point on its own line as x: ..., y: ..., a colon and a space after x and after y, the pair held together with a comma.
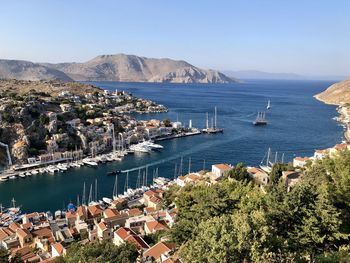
x: 180, y: 135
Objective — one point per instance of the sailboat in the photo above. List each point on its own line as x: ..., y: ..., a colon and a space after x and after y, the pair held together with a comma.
x: 266, y: 166
x: 260, y: 119
x: 268, y: 104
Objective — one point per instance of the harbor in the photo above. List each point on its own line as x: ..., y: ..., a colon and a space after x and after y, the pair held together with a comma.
x: 46, y: 191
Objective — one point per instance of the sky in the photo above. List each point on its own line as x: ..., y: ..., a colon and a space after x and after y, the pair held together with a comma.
x: 310, y: 37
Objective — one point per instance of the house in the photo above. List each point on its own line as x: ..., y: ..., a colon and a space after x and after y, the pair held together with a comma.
x: 57, y: 250
x: 220, y: 169
x: 137, y: 223
x: 125, y: 234
x: 291, y: 178
x: 113, y: 217
x: 260, y: 176
x: 320, y: 154
x: 180, y: 181
x: 154, y: 226
x: 103, y: 232
x: 24, y: 236
x: 158, y: 251
x: 301, y: 161
x: 338, y: 148
x: 95, y: 212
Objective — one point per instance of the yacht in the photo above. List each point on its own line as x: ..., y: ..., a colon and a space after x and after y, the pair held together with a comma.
x: 260, y: 119
x: 107, y: 200
x: 151, y: 145
x: 22, y: 175
x: 12, y: 177
x: 4, y: 179
x: 89, y: 162
x: 34, y: 172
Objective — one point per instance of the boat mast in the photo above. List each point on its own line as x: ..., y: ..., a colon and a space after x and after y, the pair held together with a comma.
x: 215, y: 118
x: 13, y: 202
x: 268, y: 157
x: 207, y: 122
x: 203, y: 165
x: 189, y: 165
x: 276, y: 155
x: 83, y: 198
x: 282, y: 158
x: 175, y: 171
x: 96, y: 190
x: 115, y: 188
x: 90, y: 194
x: 78, y: 201
x: 113, y: 135
x: 180, y: 170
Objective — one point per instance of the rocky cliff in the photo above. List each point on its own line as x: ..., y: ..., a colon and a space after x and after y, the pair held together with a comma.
x: 337, y: 94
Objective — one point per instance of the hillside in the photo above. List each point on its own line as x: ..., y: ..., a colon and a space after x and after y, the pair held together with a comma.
x: 131, y: 68
x: 25, y: 70
x: 54, y: 88
x: 120, y: 67
x: 338, y: 93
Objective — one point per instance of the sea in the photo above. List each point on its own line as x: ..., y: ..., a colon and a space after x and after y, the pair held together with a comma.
x: 297, y: 125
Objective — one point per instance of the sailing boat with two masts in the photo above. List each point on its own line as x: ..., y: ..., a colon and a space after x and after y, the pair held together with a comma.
x: 213, y: 128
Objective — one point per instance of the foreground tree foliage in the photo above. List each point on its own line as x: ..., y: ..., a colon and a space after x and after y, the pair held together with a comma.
x: 105, y: 252
x: 234, y: 221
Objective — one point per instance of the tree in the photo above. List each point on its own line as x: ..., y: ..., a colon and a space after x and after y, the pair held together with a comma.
x: 239, y: 172
x: 276, y: 172
x: 4, y: 255
x: 167, y: 123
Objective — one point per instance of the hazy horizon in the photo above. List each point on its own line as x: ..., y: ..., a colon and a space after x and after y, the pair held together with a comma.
x: 306, y: 38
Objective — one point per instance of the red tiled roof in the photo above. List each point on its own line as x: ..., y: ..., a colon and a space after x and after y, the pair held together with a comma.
x: 159, y: 249
x: 223, y: 166
x: 58, y: 247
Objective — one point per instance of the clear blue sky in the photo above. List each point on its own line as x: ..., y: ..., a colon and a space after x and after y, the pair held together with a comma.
x: 301, y: 36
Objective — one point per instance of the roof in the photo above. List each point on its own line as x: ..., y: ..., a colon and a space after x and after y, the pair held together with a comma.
x: 134, y: 212
x: 108, y: 213
x: 71, y: 214
x: 155, y: 200
x: 302, y: 159
x: 102, y: 226
x: 159, y: 249
x: 43, y: 232
x: 181, y: 177
x: 95, y: 210
x: 223, y: 167
x: 23, y: 233
x: 155, y: 226
x: 193, y: 177
x: 58, y: 247
x: 341, y: 146
x: 14, y: 226
x: 150, y: 193
x: 129, y: 235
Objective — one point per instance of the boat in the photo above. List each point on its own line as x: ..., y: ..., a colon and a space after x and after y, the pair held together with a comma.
x: 260, y: 119
x: 213, y: 129
x: 107, y: 200
x: 140, y: 148
x: 4, y: 179
x: 268, y: 105
x: 266, y: 166
x: 90, y: 162
x: 151, y: 145
x: 22, y: 175
x: 34, y: 172
x: 28, y: 174
x: 12, y: 177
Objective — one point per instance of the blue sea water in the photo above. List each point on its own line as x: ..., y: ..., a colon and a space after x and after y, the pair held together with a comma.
x: 297, y: 125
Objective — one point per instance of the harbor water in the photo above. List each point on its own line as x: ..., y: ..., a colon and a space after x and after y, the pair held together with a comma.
x: 297, y: 125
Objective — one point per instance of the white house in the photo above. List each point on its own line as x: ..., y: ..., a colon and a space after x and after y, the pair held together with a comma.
x: 220, y: 169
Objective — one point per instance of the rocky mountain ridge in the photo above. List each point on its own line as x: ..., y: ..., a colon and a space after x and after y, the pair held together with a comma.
x: 337, y: 94
x: 120, y: 67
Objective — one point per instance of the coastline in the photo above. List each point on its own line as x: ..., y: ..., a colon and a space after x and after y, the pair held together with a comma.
x: 343, y: 118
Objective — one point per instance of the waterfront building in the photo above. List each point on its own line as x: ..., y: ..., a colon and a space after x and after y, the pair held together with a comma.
x: 220, y: 169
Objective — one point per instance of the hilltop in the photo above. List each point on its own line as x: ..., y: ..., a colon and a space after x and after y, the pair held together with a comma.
x: 337, y: 94
x: 120, y: 67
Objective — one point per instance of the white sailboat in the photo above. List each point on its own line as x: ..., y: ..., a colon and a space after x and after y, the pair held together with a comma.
x: 268, y: 104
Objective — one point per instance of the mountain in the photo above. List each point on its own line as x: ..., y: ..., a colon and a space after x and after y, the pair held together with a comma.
x: 131, y: 68
x: 25, y: 70
x: 256, y: 74
x: 338, y: 93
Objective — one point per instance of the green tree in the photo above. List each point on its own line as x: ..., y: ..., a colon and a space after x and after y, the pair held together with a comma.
x: 4, y: 255
x: 239, y: 173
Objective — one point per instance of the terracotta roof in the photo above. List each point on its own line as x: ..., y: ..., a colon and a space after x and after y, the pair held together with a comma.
x: 155, y: 226
x: 27, y: 225
x: 302, y: 159
x: 155, y: 200
x: 182, y: 178
x: 45, y: 232
x: 58, y: 247
x: 95, y: 210
x: 137, y: 240
x: 252, y: 170
x: 81, y: 211
x: 223, y: 166
x: 341, y: 146
x: 3, y: 234
x: 23, y: 233
x: 149, y: 193
x: 134, y: 212
x: 124, y: 232
x: 14, y: 226
x: 102, y: 226
x: 108, y: 213
x: 159, y: 249
x: 71, y: 214
x: 149, y: 209
x: 193, y: 177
